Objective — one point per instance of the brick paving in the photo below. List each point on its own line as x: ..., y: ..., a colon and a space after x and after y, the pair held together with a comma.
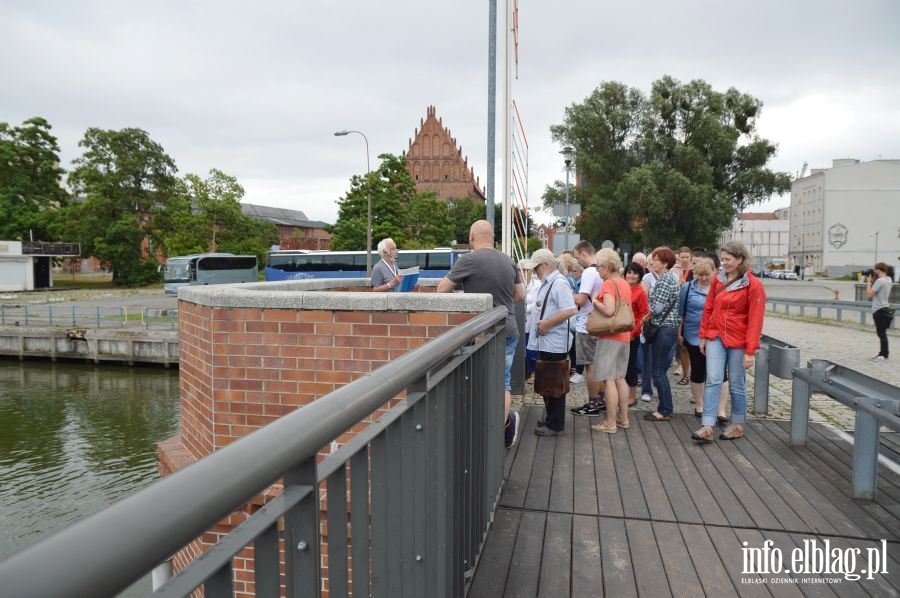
x: 849, y: 345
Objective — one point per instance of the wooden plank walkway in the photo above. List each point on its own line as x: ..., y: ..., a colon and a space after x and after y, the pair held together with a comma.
x: 647, y: 512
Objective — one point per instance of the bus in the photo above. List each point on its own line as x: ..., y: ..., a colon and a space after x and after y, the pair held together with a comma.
x: 300, y: 264
x: 208, y: 268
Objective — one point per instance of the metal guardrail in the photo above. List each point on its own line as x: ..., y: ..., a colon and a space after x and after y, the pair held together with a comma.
x: 863, y: 308
x: 774, y: 357
x: 74, y: 316
x: 876, y: 403
x: 425, y: 478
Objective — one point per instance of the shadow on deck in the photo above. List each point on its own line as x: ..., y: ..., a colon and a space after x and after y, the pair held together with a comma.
x: 647, y: 512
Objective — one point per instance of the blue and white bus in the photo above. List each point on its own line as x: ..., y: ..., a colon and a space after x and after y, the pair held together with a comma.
x: 297, y: 264
x: 208, y: 268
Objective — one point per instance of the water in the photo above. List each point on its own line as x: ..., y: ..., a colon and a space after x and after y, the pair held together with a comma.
x: 74, y: 438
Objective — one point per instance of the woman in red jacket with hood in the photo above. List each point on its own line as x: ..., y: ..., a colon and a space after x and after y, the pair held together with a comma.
x: 729, y: 337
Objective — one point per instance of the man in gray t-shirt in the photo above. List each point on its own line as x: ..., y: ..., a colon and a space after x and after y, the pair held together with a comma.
x: 486, y: 270
x: 879, y: 290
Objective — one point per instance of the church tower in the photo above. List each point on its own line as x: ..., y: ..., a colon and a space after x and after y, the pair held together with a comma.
x: 437, y: 164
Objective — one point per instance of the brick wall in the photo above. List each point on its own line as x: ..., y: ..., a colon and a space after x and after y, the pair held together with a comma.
x: 252, y: 353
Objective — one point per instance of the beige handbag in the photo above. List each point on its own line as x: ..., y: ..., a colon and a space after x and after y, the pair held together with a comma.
x: 622, y: 319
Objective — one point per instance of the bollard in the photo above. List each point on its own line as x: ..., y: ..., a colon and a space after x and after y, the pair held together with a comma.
x: 761, y: 382
x: 865, y: 455
x: 799, y: 412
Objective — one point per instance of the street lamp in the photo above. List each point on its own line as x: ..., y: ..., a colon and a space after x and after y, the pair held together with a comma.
x: 368, y: 200
x: 875, y: 234
x: 567, y: 154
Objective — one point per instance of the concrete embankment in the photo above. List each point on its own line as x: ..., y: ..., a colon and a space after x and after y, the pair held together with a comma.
x: 128, y: 345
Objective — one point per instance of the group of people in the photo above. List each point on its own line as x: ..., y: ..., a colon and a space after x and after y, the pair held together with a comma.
x: 705, y: 309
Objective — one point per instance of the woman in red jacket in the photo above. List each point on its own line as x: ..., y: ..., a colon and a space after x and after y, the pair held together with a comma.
x: 729, y: 337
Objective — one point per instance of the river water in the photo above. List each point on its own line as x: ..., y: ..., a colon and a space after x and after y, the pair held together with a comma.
x: 74, y: 438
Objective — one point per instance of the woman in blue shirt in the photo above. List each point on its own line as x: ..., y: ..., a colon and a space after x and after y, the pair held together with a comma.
x: 691, y: 300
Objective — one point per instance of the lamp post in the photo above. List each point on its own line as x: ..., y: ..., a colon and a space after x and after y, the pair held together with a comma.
x: 875, y: 234
x: 567, y: 154
x: 368, y: 200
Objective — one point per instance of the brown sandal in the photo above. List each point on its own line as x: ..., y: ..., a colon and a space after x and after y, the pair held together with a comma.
x: 653, y: 416
x: 684, y: 380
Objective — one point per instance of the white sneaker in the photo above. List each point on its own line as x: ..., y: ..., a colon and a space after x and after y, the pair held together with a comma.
x: 880, y: 358
x: 677, y: 373
x: 646, y: 398
x: 576, y: 378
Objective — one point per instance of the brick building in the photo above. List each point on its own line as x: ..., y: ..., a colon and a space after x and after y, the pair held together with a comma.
x: 295, y: 230
x: 437, y: 164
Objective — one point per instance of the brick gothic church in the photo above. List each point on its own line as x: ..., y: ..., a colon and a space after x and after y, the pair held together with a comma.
x: 437, y: 164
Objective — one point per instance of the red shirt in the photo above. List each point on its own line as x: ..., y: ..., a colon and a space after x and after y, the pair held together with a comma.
x: 735, y: 315
x: 640, y: 305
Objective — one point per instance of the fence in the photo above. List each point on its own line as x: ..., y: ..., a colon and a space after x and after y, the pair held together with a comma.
x: 424, y: 479
x: 75, y: 316
x: 827, y: 308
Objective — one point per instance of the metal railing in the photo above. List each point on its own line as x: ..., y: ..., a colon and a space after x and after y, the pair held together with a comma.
x: 424, y: 479
x: 876, y: 403
x: 827, y: 308
x: 774, y: 357
x: 74, y: 316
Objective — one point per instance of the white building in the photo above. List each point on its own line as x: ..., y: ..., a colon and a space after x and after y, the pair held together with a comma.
x: 847, y: 217
x: 766, y: 235
x: 27, y: 265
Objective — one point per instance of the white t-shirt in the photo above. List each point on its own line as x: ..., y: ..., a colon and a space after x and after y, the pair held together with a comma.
x: 590, y: 284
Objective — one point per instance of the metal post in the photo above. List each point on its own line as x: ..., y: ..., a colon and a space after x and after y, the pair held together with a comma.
x: 492, y: 108
x: 799, y: 412
x: 566, y: 242
x: 865, y: 455
x: 761, y: 382
x: 162, y: 573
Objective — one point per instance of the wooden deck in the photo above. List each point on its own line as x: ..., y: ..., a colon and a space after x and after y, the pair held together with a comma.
x: 647, y: 512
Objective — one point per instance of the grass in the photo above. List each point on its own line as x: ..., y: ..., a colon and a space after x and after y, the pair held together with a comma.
x: 91, y: 282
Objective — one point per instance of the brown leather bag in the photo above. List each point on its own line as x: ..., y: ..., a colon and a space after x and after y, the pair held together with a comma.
x: 622, y: 319
x: 551, y: 378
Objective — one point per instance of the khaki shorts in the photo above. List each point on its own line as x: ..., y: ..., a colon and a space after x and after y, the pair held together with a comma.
x: 584, y: 348
x: 610, y: 360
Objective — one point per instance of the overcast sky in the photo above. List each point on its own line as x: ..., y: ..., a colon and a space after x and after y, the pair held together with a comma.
x: 257, y: 89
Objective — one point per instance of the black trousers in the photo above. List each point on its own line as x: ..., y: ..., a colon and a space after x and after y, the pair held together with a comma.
x: 555, y: 418
x: 882, y: 323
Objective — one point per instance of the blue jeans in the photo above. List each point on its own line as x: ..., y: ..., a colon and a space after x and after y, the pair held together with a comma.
x: 717, y: 358
x: 662, y: 350
x: 646, y: 365
x: 511, y: 342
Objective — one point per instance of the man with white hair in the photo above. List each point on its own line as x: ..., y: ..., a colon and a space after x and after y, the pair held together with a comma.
x: 384, y: 273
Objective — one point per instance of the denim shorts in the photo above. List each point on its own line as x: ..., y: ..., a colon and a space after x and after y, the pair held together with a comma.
x: 511, y: 342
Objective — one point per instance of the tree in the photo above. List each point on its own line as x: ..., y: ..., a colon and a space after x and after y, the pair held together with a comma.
x: 205, y: 215
x: 411, y: 218
x: 463, y: 212
x: 126, y: 179
x: 31, y: 188
x: 673, y: 167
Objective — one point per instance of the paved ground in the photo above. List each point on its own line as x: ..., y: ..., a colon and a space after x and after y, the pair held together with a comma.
x: 846, y: 344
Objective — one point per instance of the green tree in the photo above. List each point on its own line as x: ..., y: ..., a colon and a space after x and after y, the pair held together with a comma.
x: 31, y: 190
x: 126, y: 179
x: 673, y: 167
x: 463, y: 212
x: 398, y: 210
x: 205, y: 215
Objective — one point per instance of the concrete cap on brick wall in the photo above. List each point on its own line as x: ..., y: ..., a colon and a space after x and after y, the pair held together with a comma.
x: 318, y: 295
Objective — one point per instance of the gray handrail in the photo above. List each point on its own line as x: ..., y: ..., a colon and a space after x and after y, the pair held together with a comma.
x: 130, y: 533
x: 862, y: 307
x: 774, y: 357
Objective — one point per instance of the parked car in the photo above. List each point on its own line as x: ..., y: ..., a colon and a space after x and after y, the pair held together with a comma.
x: 789, y: 275
x: 766, y: 273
